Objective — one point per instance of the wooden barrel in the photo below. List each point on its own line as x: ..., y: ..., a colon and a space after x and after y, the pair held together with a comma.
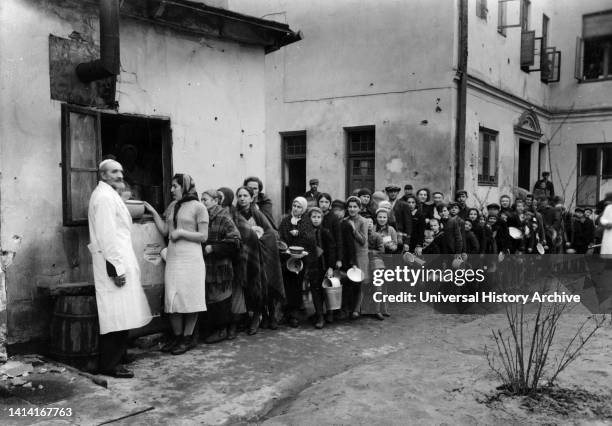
x: 74, y: 331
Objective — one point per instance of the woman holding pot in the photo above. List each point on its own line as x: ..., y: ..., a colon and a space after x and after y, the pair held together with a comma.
x: 186, y: 227
x: 296, y: 230
x: 357, y: 235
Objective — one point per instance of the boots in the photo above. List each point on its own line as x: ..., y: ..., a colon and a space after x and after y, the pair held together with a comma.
x: 254, y: 326
x: 317, y: 301
x: 186, y: 343
x: 171, y: 344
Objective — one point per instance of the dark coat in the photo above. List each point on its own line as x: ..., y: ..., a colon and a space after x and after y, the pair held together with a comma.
x: 453, y: 235
x: 402, y: 219
x: 326, y: 242
x: 418, y: 230
x: 264, y: 204
x: 583, y: 235
x: 349, y: 254
x: 332, y: 224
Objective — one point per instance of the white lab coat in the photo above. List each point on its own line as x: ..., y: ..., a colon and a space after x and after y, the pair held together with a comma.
x: 110, y: 222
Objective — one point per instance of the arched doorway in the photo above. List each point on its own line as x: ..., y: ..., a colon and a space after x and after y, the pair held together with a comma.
x: 530, y: 152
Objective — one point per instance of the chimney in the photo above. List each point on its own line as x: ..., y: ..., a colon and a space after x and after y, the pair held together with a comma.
x: 108, y: 64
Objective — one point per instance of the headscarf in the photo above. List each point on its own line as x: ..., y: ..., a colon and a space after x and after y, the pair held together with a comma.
x: 384, y: 205
x: 302, y: 201
x: 228, y: 196
x: 189, y: 193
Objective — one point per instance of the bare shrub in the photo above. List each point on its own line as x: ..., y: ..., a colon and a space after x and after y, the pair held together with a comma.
x: 522, y: 359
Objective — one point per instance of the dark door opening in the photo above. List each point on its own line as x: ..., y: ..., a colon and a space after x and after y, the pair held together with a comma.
x: 140, y: 144
x: 524, y: 165
x: 294, y: 167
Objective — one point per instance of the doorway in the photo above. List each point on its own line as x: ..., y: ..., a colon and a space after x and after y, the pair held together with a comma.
x: 293, y: 146
x: 524, y: 164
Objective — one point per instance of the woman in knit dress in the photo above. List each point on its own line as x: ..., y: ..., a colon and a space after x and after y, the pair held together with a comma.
x: 186, y: 227
x: 359, y: 238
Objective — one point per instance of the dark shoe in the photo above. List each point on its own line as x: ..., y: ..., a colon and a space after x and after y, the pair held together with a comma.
x: 329, y: 317
x: 379, y: 316
x: 185, y: 344
x: 265, y: 323
x: 217, y: 336
x: 171, y: 344
x: 128, y: 358
x: 254, y: 325
x: 354, y: 315
x: 273, y: 324
x: 231, y: 332
x: 293, y: 322
x: 120, y: 372
x: 341, y: 315
x: 320, y: 322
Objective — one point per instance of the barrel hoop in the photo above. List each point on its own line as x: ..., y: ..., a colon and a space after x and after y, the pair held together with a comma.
x: 74, y: 316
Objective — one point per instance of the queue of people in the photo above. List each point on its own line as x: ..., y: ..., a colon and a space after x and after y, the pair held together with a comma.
x: 227, y: 257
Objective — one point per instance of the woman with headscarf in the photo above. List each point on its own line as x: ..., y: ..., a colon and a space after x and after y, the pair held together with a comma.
x: 246, y: 262
x: 186, y: 227
x: 223, y: 242
x: 271, y: 292
x: 357, y: 235
x: 296, y: 230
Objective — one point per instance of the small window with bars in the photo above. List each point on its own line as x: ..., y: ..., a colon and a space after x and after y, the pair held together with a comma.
x: 361, y: 158
x: 295, y: 145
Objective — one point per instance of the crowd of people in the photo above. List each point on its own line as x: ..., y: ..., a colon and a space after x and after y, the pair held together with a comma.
x: 227, y: 255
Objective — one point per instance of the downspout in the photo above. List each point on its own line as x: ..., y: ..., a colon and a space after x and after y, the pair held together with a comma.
x: 461, y: 78
x: 108, y: 64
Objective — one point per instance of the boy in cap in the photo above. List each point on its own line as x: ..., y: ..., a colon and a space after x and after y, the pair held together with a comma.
x: 583, y: 231
x: 461, y: 197
x: 407, y: 192
x: 543, y: 187
x: 312, y: 196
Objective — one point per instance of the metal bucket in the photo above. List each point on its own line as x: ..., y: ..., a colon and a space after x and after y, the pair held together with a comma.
x: 333, y: 295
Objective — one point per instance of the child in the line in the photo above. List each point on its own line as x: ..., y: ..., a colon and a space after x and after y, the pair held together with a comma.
x: 323, y: 265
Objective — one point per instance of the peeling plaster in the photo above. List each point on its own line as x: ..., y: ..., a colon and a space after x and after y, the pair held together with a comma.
x: 396, y: 165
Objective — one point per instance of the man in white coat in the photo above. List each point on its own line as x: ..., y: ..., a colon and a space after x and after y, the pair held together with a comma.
x: 122, y: 304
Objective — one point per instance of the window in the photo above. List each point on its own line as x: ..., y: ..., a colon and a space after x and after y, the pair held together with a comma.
x: 594, y: 48
x: 481, y: 9
x: 360, y: 170
x: 294, y: 166
x: 502, y: 12
x: 142, y: 145
x: 594, y: 173
x: 487, y: 157
x: 525, y: 12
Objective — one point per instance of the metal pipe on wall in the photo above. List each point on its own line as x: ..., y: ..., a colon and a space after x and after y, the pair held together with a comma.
x: 108, y: 64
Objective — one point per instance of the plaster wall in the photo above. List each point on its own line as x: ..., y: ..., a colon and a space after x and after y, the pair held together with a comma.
x: 387, y: 63
x: 495, y: 58
x: 566, y: 25
x: 494, y: 114
x: 189, y: 80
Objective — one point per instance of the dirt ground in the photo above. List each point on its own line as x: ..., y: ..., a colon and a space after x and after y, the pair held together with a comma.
x: 416, y: 367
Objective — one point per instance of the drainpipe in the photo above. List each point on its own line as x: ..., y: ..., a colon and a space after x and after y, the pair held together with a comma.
x: 461, y: 78
x: 108, y: 64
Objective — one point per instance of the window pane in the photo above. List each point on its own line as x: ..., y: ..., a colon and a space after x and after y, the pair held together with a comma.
x: 83, y: 134
x: 82, y: 185
x: 361, y: 141
x: 588, y: 161
x: 607, y: 161
x: 493, y: 156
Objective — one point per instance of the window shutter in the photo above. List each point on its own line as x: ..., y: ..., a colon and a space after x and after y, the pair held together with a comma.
x: 579, y: 60
x: 527, y: 48
x: 554, y: 63
x: 81, y: 153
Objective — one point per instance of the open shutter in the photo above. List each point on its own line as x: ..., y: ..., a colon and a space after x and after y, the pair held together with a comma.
x: 81, y: 153
x: 554, y: 64
x: 527, y: 48
x: 579, y: 59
